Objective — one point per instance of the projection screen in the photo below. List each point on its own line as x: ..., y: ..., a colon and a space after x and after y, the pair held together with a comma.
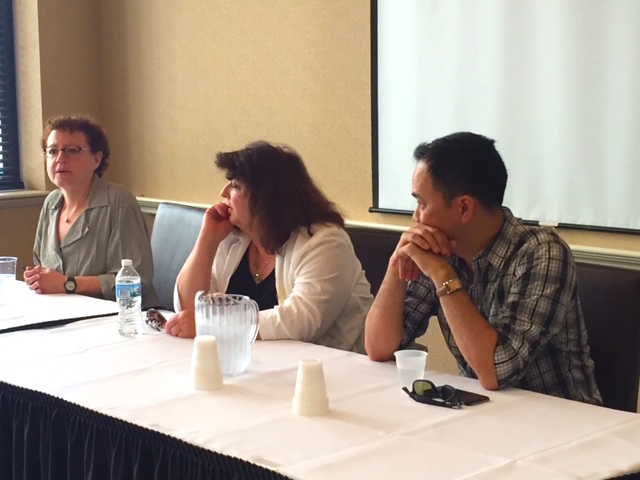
x: 555, y: 83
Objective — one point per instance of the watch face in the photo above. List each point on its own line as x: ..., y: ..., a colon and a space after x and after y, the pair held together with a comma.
x: 70, y: 286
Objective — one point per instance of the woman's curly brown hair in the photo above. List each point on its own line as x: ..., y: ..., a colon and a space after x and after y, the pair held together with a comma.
x: 96, y: 136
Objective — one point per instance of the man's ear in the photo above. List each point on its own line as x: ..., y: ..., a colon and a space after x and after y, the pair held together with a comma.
x: 466, y: 208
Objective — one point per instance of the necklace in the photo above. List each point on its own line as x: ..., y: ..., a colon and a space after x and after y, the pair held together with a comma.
x: 68, y: 218
x: 78, y: 210
x: 257, y: 276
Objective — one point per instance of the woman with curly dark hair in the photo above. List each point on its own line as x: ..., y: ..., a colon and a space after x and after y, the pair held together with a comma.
x: 276, y: 238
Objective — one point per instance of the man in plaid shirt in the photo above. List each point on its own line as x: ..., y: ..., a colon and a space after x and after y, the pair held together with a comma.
x: 505, y: 295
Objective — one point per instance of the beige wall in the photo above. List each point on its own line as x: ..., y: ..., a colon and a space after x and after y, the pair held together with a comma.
x: 17, y: 241
x: 175, y: 82
x: 183, y: 80
x: 70, y: 60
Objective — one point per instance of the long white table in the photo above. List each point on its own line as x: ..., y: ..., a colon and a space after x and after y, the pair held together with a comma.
x: 373, y: 431
x: 28, y: 309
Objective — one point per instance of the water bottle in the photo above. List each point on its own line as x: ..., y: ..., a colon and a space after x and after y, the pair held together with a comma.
x: 129, y: 298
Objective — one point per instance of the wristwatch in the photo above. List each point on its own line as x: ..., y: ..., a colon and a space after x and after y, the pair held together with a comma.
x: 449, y: 287
x: 70, y: 285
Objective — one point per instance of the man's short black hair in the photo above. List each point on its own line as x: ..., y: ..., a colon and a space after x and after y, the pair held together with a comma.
x: 465, y: 163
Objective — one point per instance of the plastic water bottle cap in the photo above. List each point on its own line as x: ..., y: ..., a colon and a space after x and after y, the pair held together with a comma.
x: 126, y: 262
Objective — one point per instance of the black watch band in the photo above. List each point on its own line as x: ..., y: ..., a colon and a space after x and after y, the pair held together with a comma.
x: 70, y: 285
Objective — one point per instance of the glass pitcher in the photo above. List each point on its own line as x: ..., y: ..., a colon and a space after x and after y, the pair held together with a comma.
x: 233, y: 319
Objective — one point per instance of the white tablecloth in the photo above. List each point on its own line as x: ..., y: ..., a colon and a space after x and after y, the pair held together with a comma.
x: 374, y: 430
x: 29, y: 308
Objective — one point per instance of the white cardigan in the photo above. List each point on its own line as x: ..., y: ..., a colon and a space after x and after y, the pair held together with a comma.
x: 323, y: 295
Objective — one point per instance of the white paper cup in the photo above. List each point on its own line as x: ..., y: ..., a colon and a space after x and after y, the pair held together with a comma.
x: 205, y: 365
x: 310, y: 397
x: 411, y: 365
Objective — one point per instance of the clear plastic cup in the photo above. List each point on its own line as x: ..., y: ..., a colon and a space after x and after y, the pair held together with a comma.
x: 7, y: 279
x: 411, y: 365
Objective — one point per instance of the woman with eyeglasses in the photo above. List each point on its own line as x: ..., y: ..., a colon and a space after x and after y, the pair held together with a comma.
x: 276, y: 238
x: 88, y: 225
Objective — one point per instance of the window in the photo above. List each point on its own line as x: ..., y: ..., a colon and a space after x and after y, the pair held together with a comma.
x: 9, y: 160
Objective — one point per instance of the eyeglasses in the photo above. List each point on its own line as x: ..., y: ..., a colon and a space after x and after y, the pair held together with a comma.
x: 425, y: 391
x: 70, y: 151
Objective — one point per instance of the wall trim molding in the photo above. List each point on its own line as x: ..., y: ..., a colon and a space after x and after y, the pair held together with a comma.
x: 22, y: 198
x: 606, y: 256
x: 593, y: 255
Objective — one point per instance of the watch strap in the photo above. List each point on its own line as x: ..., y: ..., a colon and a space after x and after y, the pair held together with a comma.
x: 449, y: 287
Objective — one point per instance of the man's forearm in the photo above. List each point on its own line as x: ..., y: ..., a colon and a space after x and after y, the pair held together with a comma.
x: 384, y: 324
x: 475, y: 337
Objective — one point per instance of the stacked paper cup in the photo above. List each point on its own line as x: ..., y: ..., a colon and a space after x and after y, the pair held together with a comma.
x: 310, y: 398
x: 205, y: 365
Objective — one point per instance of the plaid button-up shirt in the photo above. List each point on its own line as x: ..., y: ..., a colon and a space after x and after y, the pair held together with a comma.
x: 524, y: 284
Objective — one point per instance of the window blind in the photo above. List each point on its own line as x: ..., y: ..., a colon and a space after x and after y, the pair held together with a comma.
x: 9, y: 159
